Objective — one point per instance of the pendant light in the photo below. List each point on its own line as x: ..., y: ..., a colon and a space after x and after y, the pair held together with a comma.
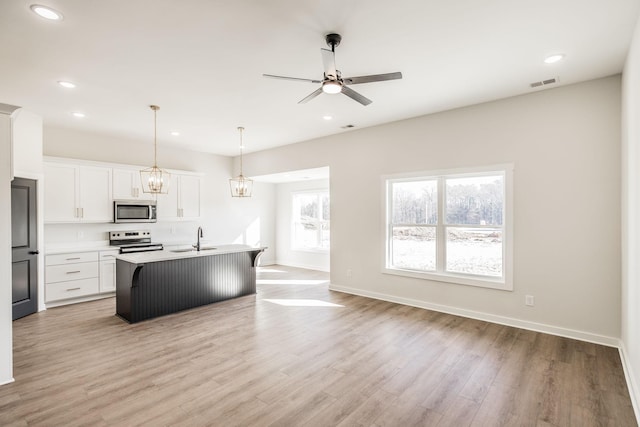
x: 241, y: 186
x: 155, y: 180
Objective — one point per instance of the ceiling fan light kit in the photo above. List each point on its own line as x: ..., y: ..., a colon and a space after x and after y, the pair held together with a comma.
x: 331, y: 87
x: 333, y: 82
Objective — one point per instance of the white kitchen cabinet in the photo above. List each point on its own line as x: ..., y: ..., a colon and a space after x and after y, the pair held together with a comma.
x: 95, y: 194
x: 60, y: 193
x: 183, y: 200
x: 71, y: 275
x: 77, y: 193
x: 79, y: 276
x: 127, y: 185
x: 168, y: 203
x: 189, y: 196
x: 108, y: 271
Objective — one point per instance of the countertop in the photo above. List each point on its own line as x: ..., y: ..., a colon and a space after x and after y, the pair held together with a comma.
x: 176, y: 252
x: 66, y: 248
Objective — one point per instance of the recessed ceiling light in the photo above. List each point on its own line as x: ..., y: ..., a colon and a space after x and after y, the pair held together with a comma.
x: 46, y: 12
x: 66, y: 84
x: 175, y: 133
x: 551, y: 59
x: 327, y: 117
x: 78, y: 114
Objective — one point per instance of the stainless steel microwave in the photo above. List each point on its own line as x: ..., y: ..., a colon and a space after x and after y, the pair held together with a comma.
x: 134, y: 211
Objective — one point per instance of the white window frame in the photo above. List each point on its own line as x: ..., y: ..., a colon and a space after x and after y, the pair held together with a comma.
x: 294, y: 217
x: 441, y: 275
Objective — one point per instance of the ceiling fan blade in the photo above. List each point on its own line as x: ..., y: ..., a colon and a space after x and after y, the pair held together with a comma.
x: 292, y: 78
x: 329, y: 62
x: 311, y: 96
x: 355, y: 96
x: 372, y: 78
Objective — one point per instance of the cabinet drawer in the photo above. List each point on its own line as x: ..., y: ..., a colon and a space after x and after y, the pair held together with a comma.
x: 108, y: 255
x: 71, y: 258
x: 63, y: 273
x: 71, y: 289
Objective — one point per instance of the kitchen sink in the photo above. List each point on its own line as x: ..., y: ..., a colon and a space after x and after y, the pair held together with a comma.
x: 192, y: 250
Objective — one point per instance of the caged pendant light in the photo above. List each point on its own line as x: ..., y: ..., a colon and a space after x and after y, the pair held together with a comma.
x: 241, y: 186
x: 155, y: 180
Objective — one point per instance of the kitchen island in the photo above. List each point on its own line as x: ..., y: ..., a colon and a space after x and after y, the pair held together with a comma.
x: 156, y: 283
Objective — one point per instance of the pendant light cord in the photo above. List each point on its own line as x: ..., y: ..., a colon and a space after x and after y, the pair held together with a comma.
x: 155, y: 137
x: 155, y: 109
x: 241, y: 129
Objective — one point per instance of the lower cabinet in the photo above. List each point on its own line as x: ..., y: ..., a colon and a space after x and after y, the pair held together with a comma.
x: 71, y: 289
x: 108, y: 271
x: 78, y: 275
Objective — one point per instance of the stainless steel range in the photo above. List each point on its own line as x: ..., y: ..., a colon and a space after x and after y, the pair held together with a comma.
x: 133, y: 241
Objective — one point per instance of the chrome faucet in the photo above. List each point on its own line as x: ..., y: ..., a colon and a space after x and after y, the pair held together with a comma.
x: 197, y: 245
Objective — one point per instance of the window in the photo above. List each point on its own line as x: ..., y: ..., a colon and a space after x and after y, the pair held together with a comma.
x: 311, y: 220
x: 450, y: 226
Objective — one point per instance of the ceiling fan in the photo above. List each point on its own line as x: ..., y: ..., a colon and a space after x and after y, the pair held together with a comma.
x: 333, y: 82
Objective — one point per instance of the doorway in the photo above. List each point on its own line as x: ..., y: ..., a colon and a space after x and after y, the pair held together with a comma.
x: 24, y: 247
x: 302, y: 217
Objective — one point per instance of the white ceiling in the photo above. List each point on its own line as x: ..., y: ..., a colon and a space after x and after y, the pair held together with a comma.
x: 202, y: 61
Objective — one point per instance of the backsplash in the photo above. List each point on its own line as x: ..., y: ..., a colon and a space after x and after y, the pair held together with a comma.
x: 84, y: 234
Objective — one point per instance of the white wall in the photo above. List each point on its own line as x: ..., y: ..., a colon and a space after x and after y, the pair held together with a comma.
x: 20, y: 154
x: 27, y: 142
x: 285, y: 255
x: 27, y: 163
x: 565, y: 145
x: 224, y: 220
x: 6, y: 342
x: 631, y: 218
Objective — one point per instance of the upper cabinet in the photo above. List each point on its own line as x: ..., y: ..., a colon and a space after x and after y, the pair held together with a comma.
x: 95, y: 194
x: 77, y: 193
x: 189, y: 196
x: 168, y: 203
x: 182, y: 203
x: 60, y: 193
x: 127, y: 186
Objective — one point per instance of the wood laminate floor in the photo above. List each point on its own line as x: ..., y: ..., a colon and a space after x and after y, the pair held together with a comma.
x: 297, y: 354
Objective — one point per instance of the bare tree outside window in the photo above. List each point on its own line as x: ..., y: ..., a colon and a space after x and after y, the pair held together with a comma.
x: 465, y: 213
x: 311, y: 220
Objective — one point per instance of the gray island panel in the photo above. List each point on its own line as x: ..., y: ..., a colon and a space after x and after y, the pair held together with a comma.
x: 166, y: 284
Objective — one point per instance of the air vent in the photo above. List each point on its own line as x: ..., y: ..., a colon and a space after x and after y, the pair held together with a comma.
x: 544, y: 82
x: 348, y: 126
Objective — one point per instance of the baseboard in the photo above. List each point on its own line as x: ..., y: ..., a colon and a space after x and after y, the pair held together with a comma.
x: 632, y: 386
x: 80, y: 299
x: 502, y: 320
x: 9, y: 381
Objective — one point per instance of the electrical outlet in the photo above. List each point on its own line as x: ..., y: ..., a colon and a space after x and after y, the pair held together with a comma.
x: 528, y: 300
x: 173, y: 229
x: 349, y: 273
x: 80, y: 235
